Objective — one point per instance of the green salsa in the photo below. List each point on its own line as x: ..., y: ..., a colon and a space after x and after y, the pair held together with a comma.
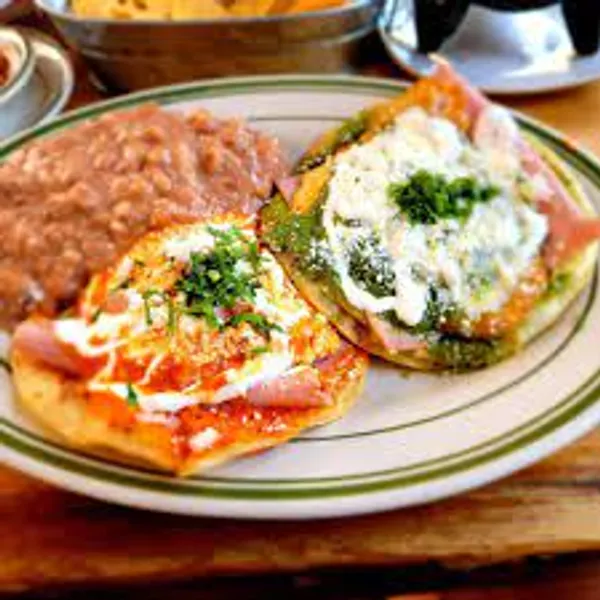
x: 347, y: 133
x: 301, y: 235
x: 460, y: 354
x: 370, y: 267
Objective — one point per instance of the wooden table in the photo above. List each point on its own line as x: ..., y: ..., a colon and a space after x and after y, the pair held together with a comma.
x: 49, y: 537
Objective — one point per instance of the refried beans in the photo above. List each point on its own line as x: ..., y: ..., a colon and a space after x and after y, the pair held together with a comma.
x: 71, y: 203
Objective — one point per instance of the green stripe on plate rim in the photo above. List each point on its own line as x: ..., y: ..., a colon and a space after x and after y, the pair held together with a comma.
x: 555, y: 418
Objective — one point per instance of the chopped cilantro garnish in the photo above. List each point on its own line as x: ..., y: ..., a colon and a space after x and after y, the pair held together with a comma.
x: 222, y: 277
x: 171, y: 324
x: 123, y: 285
x: 4, y: 364
x: 146, y: 296
x: 171, y: 315
x: 96, y: 314
x: 259, y: 322
x: 426, y: 197
x: 260, y: 350
x: 132, y: 397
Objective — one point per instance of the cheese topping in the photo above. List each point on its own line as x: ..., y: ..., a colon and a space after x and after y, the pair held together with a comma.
x: 471, y: 265
x: 193, y: 315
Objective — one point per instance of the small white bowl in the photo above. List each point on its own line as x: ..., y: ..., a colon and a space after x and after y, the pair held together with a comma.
x: 17, y: 100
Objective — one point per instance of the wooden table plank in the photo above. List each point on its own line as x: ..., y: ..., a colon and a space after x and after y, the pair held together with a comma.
x: 50, y: 537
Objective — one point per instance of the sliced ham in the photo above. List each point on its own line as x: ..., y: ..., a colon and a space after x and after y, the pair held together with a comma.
x: 393, y: 339
x: 330, y: 361
x: 288, y: 187
x: 450, y: 81
x: 569, y: 231
x: 36, y: 339
x: 299, y: 388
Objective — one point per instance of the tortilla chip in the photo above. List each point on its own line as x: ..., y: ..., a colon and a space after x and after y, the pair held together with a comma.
x: 251, y: 8
x: 198, y: 9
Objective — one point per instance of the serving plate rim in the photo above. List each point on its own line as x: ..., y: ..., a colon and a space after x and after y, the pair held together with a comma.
x: 574, y: 417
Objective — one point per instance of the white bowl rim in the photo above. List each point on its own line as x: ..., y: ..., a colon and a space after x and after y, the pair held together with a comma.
x: 25, y: 70
x: 158, y: 23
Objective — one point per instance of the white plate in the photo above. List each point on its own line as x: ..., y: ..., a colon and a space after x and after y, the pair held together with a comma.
x: 408, y: 440
x: 51, y: 83
x: 499, y: 52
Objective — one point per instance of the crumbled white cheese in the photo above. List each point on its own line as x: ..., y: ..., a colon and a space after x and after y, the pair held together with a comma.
x: 496, y: 244
x: 204, y: 439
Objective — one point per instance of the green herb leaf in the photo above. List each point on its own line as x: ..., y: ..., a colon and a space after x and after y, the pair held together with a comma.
x: 259, y: 322
x: 260, y: 350
x: 123, y: 285
x: 96, y: 314
x: 426, y: 197
x: 171, y: 316
x: 146, y: 296
x: 132, y: 396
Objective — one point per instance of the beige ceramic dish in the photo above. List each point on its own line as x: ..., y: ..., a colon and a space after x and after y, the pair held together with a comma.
x: 16, y: 96
x: 40, y: 82
x: 128, y: 55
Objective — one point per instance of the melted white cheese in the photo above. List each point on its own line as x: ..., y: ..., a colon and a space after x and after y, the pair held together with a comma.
x: 4, y: 345
x: 260, y: 370
x: 273, y: 300
x: 181, y: 247
x: 497, y: 243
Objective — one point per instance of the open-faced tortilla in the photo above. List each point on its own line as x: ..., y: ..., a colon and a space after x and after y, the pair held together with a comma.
x: 192, y: 350
x: 499, y: 178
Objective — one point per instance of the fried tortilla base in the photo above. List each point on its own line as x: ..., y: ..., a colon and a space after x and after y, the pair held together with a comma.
x: 58, y: 403
x: 353, y: 324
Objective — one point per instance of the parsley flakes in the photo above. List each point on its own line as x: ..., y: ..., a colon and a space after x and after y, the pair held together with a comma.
x: 259, y: 322
x: 132, y: 396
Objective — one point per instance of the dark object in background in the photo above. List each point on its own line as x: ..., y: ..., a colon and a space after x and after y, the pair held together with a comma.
x: 583, y: 21
x: 437, y: 20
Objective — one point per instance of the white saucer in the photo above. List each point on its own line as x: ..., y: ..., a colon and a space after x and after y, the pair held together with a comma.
x: 51, y: 84
x: 500, y: 52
